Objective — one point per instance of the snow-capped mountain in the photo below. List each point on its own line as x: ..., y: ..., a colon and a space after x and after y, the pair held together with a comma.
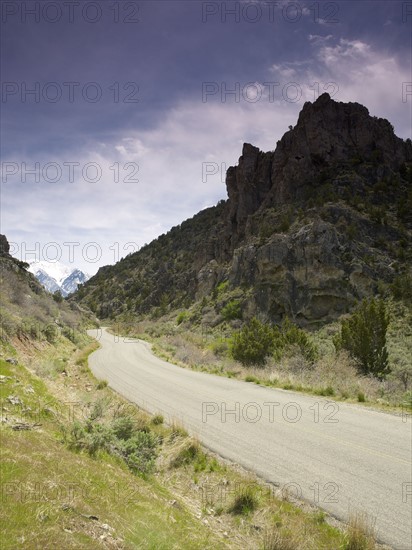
x: 70, y: 283
x: 57, y: 276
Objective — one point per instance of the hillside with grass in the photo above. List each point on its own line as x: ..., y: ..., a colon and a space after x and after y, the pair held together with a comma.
x: 83, y: 468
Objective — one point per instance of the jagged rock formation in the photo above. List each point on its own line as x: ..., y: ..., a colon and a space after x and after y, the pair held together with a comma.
x: 4, y: 246
x: 328, y: 137
x: 306, y: 231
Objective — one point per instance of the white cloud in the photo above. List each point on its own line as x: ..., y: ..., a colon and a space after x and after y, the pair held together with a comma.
x: 360, y: 72
x: 319, y: 39
x: 181, y: 169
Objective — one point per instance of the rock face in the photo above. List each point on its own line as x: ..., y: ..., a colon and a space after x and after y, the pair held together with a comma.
x: 247, y: 186
x: 328, y: 137
x: 306, y: 231
x: 4, y: 246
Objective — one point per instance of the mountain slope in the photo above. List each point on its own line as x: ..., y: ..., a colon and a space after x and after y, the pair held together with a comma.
x: 307, y: 229
x: 29, y: 315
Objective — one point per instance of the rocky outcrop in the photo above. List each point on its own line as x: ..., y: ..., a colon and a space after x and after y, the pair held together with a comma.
x: 4, y: 247
x: 307, y: 230
x: 331, y: 134
x: 312, y: 273
x: 329, y: 137
x: 247, y: 186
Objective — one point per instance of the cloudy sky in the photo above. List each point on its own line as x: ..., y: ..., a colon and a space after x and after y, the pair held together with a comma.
x: 119, y: 119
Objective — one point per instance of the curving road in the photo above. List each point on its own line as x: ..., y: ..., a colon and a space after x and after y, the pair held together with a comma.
x: 340, y: 456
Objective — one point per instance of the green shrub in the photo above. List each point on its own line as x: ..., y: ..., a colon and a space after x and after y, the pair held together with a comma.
x: 137, y: 448
x: 90, y: 437
x: 291, y: 335
x: 284, y: 224
x: 76, y: 435
x: 157, y: 419
x: 328, y: 391
x: 99, y: 438
x: 219, y: 347
x: 220, y: 289
x: 123, y: 427
x: 402, y: 287
x: 51, y: 333
x: 245, y: 500
x: 253, y: 379
x: 97, y: 410
x: 253, y: 343
x: 232, y: 310
x: 73, y: 335
x: 102, y: 384
x: 364, y: 336
x: 57, y: 296
x: 139, y: 452
x: 182, y: 317
x: 187, y: 453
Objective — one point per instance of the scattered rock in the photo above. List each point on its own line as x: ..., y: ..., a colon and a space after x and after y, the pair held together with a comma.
x: 20, y: 426
x: 14, y: 400
x: 175, y: 504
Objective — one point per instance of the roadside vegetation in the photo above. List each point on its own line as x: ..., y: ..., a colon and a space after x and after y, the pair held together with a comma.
x: 365, y: 357
x: 83, y: 468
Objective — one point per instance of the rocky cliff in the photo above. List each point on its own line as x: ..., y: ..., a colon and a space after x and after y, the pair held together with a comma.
x: 4, y: 247
x: 306, y: 231
x: 329, y: 138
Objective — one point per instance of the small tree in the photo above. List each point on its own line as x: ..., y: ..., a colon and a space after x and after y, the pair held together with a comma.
x: 291, y: 335
x: 57, y: 296
x: 364, y: 336
x: 253, y: 343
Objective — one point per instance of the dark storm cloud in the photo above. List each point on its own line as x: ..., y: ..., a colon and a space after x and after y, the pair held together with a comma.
x: 150, y: 73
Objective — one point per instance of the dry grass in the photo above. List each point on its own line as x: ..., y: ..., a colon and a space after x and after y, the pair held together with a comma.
x: 177, y: 429
x: 360, y: 532
x: 273, y: 539
x: 184, y: 451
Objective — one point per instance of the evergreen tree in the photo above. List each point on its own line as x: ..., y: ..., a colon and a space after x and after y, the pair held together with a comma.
x: 253, y: 343
x: 364, y: 336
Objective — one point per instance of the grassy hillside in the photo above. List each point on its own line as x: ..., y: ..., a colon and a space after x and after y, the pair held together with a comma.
x: 82, y: 468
